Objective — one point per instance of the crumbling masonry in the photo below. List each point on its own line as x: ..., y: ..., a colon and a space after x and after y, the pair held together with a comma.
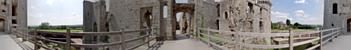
x: 13, y: 14
x: 228, y: 15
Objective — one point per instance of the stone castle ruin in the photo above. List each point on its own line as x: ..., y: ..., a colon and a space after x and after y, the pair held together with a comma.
x: 228, y: 15
x: 337, y: 14
x: 13, y: 15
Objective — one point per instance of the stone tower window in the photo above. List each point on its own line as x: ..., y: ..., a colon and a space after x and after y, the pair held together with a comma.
x: 335, y: 8
x: 14, y: 8
x: 226, y: 15
x: 107, y: 26
x: 332, y: 25
x: 250, y: 7
x: 217, y: 22
x: 4, y: 2
x: 14, y: 21
x: 218, y: 9
x: 261, y: 25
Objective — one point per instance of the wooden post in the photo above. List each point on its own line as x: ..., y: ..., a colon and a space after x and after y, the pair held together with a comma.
x: 149, y: 30
x: 208, y: 37
x: 36, y: 47
x: 196, y: 33
x: 68, y: 39
x: 320, y: 39
x: 122, y: 40
x: 291, y: 40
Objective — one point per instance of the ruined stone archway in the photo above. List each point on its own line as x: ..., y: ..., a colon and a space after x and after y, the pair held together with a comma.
x: 186, y: 25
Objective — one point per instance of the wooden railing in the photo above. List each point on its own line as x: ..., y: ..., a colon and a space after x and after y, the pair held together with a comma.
x: 35, y: 37
x: 321, y: 36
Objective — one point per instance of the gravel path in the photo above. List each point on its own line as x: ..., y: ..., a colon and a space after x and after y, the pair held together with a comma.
x: 7, y: 43
x: 184, y: 43
x: 342, y: 42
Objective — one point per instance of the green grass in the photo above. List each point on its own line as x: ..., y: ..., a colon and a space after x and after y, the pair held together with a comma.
x: 294, y: 30
x: 217, y: 40
x: 62, y: 30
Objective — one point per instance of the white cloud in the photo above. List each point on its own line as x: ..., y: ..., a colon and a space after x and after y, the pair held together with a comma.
x: 218, y: 0
x: 300, y: 1
x: 181, y: 1
x: 303, y: 18
x: 309, y: 20
x: 50, y: 2
x: 280, y: 16
x: 92, y: 0
x: 69, y: 13
x: 300, y: 13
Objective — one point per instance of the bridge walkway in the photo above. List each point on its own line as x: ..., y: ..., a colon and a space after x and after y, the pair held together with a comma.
x: 8, y: 43
x: 343, y: 42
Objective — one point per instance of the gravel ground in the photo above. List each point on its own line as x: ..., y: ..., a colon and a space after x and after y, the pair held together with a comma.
x: 7, y: 43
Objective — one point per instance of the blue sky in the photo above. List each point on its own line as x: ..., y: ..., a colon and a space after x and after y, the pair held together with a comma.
x: 70, y: 12
x: 56, y: 12
x: 301, y: 11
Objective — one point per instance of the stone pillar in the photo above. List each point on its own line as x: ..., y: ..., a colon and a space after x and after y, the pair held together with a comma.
x: 173, y: 18
x: 162, y: 24
x: 88, y: 23
x: 8, y: 20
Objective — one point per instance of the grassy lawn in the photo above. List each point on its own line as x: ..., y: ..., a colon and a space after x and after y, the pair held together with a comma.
x: 217, y: 40
x: 294, y: 30
x: 62, y: 30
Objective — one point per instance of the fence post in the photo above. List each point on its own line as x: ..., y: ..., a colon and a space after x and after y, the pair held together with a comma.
x: 36, y: 47
x: 122, y: 40
x: 197, y: 33
x: 291, y: 40
x: 148, y: 36
x: 209, y: 39
x: 68, y: 39
x: 320, y: 39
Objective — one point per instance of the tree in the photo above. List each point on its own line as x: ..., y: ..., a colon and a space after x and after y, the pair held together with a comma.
x: 288, y: 22
x: 297, y: 24
x: 44, y: 25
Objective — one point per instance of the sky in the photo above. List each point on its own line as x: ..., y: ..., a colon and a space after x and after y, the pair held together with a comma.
x: 70, y: 12
x: 301, y: 11
x: 56, y: 12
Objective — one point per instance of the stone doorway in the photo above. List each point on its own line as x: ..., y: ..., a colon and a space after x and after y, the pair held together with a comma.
x: 348, y: 25
x: 146, y: 17
x: 181, y: 24
x: 2, y: 24
x: 146, y: 21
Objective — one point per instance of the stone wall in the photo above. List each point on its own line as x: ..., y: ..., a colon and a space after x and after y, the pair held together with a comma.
x: 14, y: 12
x: 229, y: 15
x: 21, y: 14
x: 206, y: 14
x: 126, y: 15
x: 245, y: 16
x: 338, y: 19
x: 5, y: 13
